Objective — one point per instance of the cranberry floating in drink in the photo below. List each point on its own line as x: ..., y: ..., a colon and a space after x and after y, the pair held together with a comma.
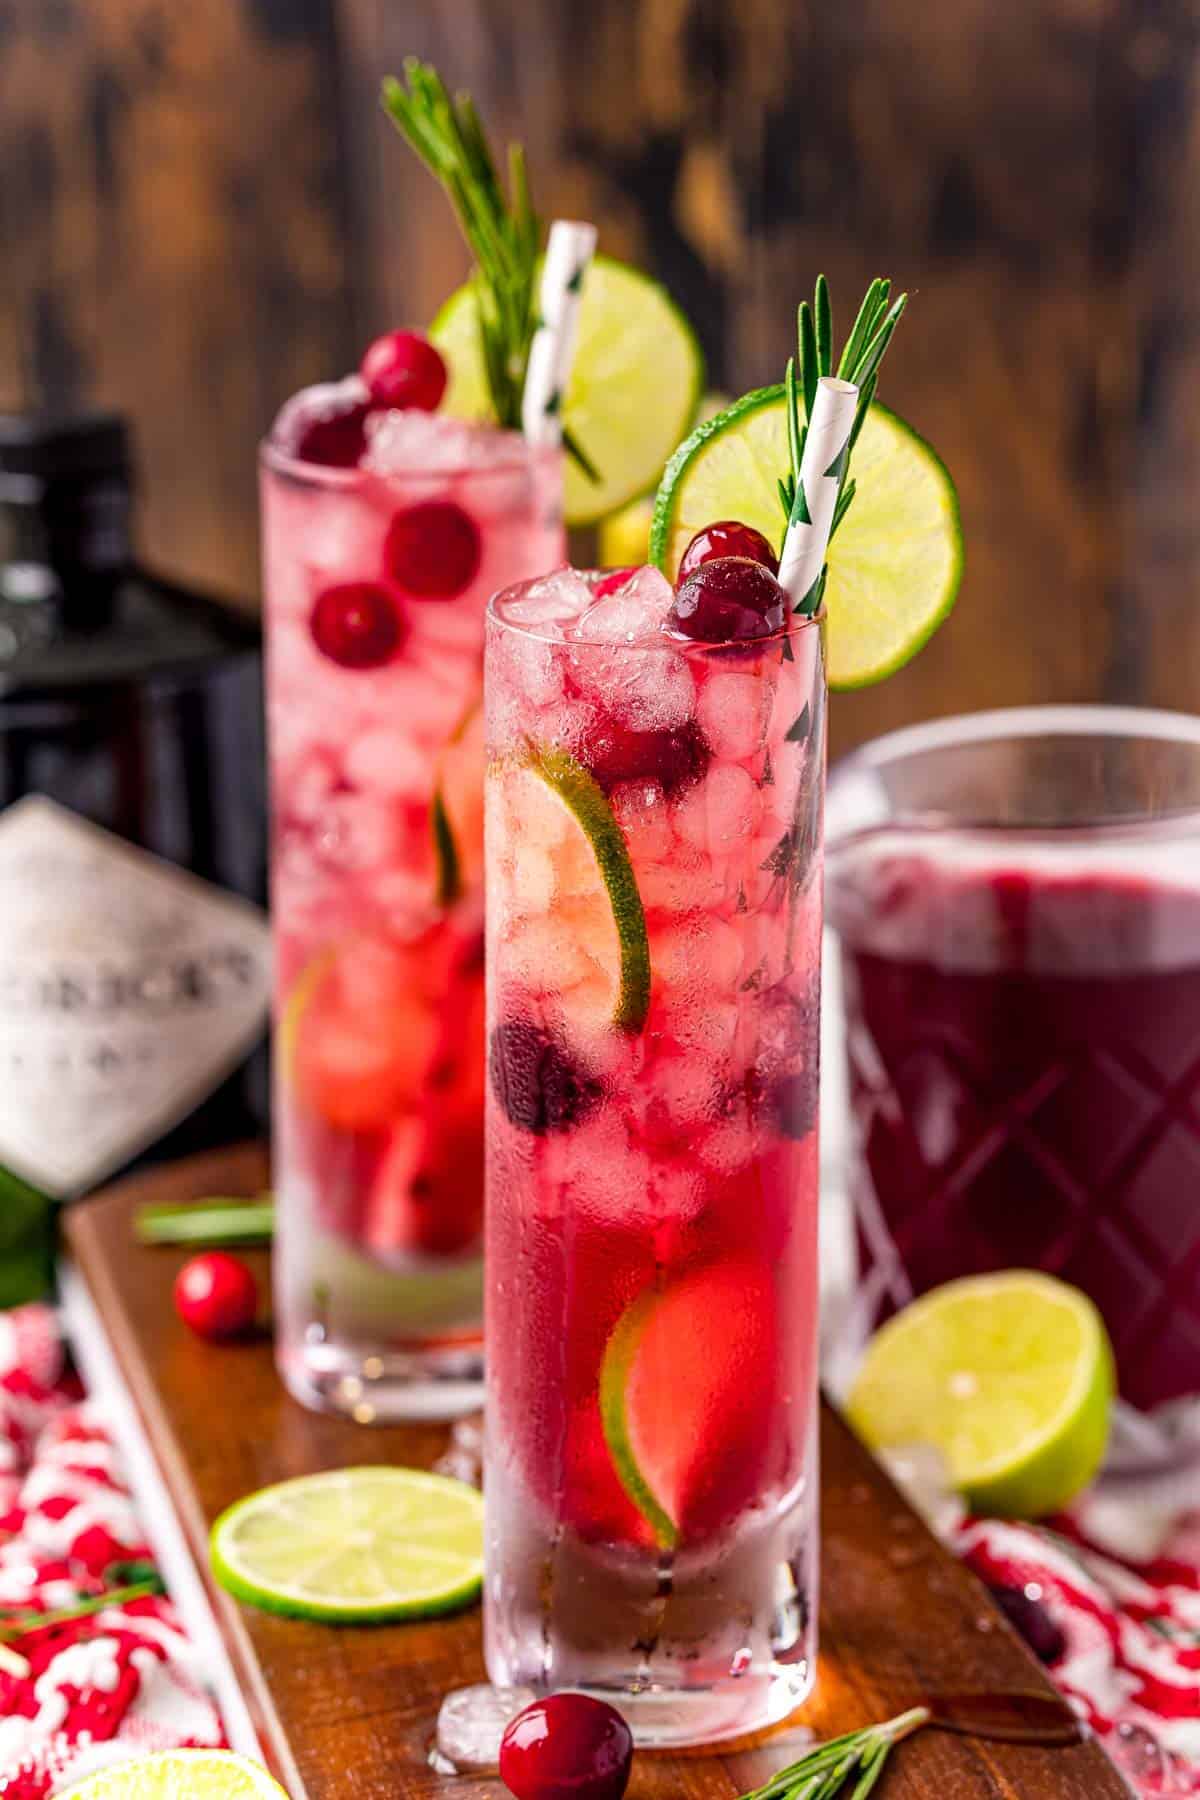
x: 1018, y: 900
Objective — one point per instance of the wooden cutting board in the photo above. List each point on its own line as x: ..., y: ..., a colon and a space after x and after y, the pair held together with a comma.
x: 348, y: 1714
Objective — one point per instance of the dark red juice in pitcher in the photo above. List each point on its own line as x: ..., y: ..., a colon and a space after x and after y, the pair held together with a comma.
x: 1025, y: 1073
x: 1023, y: 1017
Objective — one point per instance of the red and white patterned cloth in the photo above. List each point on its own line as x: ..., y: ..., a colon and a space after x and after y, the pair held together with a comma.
x: 126, y: 1680
x: 1130, y: 1657
x: 81, y: 1695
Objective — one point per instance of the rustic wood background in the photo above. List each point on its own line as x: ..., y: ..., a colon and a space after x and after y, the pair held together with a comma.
x: 202, y: 208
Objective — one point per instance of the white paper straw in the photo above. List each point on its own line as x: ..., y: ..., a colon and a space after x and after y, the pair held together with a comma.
x: 569, y: 250
x: 807, y: 540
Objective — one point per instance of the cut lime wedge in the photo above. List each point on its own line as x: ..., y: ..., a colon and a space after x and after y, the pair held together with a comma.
x: 593, y: 921
x: 635, y: 383
x: 354, y: 1546
x: 456, y: 813
x: 689, y: 1391
x: 896, y: 561
x: 181, y: 1775
x: 1010, y: 1376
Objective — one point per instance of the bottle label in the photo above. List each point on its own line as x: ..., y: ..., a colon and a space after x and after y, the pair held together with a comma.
x: 129, y: 989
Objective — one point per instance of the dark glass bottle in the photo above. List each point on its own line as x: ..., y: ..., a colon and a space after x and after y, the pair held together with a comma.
x: 136, y: 705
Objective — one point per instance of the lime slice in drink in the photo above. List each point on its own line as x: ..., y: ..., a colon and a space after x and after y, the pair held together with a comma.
x: 456, y: 814
x: 360, y: 1029
x: 594, y: 944
x: 354, y: 1546
x: 689, y: 1385
x: 1009, y: 1375
x: 635, y: 383
x: 896, y: 560
x: 181, y: 1775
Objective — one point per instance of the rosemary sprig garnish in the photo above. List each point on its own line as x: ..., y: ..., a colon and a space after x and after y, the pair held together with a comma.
x: 213, y: 1222
x: 21, y: 1623
x: 826, y: 1771
x: 859, y: 362
x: 502, y: 234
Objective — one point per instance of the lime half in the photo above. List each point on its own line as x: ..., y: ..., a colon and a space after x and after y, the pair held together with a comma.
x: 1009, y: 1375
x: 896, y: 561
x: 354, y: 1546
x: 635, y: 384
x: 181, y: 1775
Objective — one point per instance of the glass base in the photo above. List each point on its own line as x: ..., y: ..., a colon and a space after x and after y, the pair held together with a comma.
x: 678, y: 1718
x: 377, y: 1387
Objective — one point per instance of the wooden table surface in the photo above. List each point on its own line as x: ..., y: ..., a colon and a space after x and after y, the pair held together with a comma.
x: 348, y: 1714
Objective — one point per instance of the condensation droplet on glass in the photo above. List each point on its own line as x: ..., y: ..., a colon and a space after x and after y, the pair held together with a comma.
x: 1138, y: 1753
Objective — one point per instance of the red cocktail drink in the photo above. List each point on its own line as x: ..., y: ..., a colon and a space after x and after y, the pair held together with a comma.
x: 377, y: 574
x: 654, y: 909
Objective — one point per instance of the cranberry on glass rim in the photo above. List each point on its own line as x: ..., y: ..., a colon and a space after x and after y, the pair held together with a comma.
x: 728, y: 537
x: 730, y: 600
x: 567, y: 1747
x: 357, y: 624
x: 326, y: 424
x: 403, y: 369
x: 433, y: 550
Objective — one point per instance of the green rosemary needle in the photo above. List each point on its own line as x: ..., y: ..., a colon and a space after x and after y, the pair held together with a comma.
x: 826, y: 1771
x: 859, y: 362
x: 206, y: 1223
x: 503, y: 235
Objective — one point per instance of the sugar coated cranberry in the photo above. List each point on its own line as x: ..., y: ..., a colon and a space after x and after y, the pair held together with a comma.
x: 675, y: 756
x: 728, y: 537
x: 536, y: 1080
x: 567, y: 1747
x: 402, y: 368
x: 357, y: 624
x: 216, y: 1295
x: 433, y: 549
x: 1043, y: 1634
x: 730, y: 600
x: 325, y: 424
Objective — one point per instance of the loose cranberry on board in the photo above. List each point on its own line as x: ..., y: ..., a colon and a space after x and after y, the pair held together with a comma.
x: 567, y: 1747
x: 216, y: 1295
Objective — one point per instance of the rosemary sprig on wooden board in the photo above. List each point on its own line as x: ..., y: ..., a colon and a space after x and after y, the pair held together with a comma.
x: 827, y: 1771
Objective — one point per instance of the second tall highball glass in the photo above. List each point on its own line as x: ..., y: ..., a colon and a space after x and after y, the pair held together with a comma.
x: 376, y: 579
